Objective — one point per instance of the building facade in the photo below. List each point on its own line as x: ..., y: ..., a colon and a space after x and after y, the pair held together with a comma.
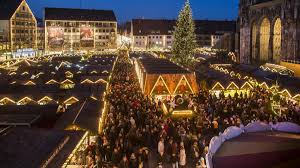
x: 79, y: 30
x: 149, y: 33
x: 18, y: 26
x: 269, y: 31
x: 40, y: 35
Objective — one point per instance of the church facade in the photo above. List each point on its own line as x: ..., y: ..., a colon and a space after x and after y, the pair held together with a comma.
x: 269, y: 31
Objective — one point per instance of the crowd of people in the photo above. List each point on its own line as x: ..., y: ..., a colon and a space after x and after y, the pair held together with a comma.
x: 137, y: 133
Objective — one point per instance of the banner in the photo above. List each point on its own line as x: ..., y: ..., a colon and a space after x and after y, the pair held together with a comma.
x: 86, y: 34
x: 86, y: 37
x: 55, y: 36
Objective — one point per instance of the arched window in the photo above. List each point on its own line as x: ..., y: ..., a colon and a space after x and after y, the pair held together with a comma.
x: 277, y: 41
x: 264, y: 40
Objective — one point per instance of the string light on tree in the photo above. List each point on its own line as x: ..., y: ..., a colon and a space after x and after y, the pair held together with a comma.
x: 184, y: 37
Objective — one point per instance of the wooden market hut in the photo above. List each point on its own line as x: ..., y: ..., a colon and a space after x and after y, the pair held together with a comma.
x: 160, y: 77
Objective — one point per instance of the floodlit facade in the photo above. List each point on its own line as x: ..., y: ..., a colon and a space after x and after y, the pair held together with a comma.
x: 269, y: 31
x: 152, y: 33
x: 40, y: 36
x: 79, y: 30
x: 18, y: 26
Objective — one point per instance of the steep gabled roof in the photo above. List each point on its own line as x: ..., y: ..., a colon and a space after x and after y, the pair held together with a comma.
x: 261, y: 1
x: 161, y: 66
x: 144, y: 27
x: 214, y: 26
x: 8, y: 8
x: 153, y: 26
x: 79, y: 14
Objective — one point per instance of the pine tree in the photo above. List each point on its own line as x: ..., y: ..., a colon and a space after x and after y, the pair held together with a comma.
x: 184, y: 37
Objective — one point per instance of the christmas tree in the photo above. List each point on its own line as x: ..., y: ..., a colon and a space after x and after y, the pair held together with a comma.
x: 184, y: 35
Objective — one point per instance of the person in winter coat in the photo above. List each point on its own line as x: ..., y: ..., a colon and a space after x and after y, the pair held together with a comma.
x: 195, y: 152
x: 161, y: 147
x: 124, y: 162
x: 133, y: 163
x: 174, y: 156
x: 182, y: 155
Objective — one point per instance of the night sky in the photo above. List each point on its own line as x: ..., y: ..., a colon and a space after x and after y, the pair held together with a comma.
x: 159, y: 9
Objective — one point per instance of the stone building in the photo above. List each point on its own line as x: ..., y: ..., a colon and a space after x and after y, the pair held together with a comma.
x: 269, y: 31
x: 79, y: 30
x: 18, y: 25
x: 40, y: 35
x: 158, y: 33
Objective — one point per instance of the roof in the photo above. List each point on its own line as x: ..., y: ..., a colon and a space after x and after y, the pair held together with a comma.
x: 8, y: 8
x: 28, y: 109
x: 150, y: 26
x: 18, y: 119
x: 89, y: 115
x: 142, y: 27
x: 265, y: 3
x: 79, y: 14
x: 161, y: 66
x: 271, y: 78
x: 24, y: 147
x: 84, y: 115
x: 262, y: 1
x: 214, y: 26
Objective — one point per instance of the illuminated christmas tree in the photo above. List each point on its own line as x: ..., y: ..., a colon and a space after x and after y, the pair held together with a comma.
x: 184, y: 42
